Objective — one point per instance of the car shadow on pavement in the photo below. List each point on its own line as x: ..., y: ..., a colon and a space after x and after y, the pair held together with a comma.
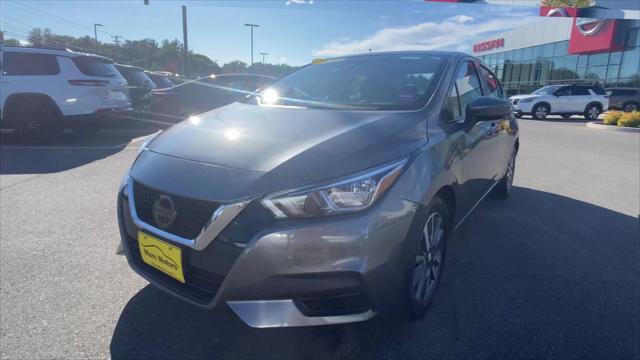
x: 535, y: 276
x: 69, y: 151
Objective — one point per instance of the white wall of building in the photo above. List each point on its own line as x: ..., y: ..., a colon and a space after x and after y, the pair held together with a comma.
x: 542, y: 31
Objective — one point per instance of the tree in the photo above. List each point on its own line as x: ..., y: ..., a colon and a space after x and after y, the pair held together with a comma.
x: 567, y: 3
x: 234, y: 67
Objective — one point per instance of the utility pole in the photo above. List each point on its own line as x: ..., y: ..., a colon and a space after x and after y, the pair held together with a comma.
x: 116, y: 39
x: 252, y: 26
x: 263, y: 55
x: 185, y: 42
x: 369, y: 51
x: 95, y: 35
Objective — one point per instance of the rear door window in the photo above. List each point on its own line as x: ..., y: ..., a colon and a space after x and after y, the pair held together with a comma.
x: 23, y: 63
x: 580, y: 91
x: 95, y: 67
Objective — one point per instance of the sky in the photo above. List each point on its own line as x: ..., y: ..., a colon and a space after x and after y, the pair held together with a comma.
x: 291, y: 31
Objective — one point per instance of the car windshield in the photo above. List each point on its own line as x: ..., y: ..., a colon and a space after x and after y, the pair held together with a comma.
x: 369, y: 82
x: 547, y: 90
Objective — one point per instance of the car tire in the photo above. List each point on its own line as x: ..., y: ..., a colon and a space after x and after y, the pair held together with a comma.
x: 566, y: 116
x: 39, y: 123
x: 592, y: 111
x: 503, y: 189
x: 540, y: 111
x: 631, y: 106
x: 424, y: 274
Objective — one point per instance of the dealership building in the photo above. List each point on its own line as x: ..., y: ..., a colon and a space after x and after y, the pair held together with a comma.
x: 563, y: 48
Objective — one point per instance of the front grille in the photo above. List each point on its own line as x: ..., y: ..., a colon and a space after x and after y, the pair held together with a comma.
x: 191, y: 214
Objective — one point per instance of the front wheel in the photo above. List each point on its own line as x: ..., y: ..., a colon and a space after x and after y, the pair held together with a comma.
x: 429, y: 259
x: 540, y: 111
x: 503, y: 188
x: 592, y: 112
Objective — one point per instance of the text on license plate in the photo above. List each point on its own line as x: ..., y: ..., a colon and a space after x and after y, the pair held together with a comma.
x: 160, y: 255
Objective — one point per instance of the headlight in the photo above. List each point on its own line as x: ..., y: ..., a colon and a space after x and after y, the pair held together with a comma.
x: 352, y: 194
x: 526, y: 100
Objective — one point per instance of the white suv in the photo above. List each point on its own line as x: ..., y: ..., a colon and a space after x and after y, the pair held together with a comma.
x: 45, y: 91
x: 565, y: 100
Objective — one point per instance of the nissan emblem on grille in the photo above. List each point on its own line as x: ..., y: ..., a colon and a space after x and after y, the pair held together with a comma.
x: 164, y: 212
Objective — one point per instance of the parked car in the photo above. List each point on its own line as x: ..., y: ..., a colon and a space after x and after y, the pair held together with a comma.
x: 565, y: 100
x: 140, y: 86
x: 162, y: 81
x: 626, y: 99
x: 328, y: 197
x: 45, y: 91
x: 203, y: 94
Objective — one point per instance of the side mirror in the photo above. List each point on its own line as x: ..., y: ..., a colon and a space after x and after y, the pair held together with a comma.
x: 486, y: 108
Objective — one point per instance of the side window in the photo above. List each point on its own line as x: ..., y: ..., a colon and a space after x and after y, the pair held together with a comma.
x: 452, y: 105
x: 579, y: 90
x: 565, y: 91
x: 468, y: 84
x: 490, y: 83
x: 19, y: 63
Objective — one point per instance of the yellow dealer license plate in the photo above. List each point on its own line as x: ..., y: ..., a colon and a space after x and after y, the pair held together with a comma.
x: 161, y: 255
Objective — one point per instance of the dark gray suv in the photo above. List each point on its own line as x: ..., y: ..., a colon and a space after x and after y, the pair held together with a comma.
x: 327, y: 197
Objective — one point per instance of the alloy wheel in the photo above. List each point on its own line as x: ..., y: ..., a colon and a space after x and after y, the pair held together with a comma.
x: 593, y: 112
x: 630, y: 107
x: 541, y: 112
x: 428, y: 262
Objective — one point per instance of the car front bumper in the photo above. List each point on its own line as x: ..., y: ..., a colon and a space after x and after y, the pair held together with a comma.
x: 302, y: 272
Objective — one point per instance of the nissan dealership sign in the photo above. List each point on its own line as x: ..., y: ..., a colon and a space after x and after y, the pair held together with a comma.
x: 488, y: 45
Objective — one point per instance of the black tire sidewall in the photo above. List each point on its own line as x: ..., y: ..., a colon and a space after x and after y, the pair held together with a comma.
x: 624, y: 107
x: 50, y: 124
x: 416, y: 310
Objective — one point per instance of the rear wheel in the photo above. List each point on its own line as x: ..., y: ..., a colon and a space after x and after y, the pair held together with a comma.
x: 592, y: 111
x: 540, y: 111
x: 39, y: 123
x: 630, y: 107
x: 429, y: 258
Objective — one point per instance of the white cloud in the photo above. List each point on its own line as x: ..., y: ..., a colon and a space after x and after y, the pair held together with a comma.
x: 454, y: 33
x: 299, y: 2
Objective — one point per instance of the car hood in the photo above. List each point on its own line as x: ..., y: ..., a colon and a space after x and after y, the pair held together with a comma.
x: 311, y: 144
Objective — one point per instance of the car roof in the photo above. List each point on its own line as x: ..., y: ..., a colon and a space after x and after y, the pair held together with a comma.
x: 56, y: 52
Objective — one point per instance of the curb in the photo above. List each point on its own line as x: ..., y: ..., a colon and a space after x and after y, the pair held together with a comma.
x: 599, y: 125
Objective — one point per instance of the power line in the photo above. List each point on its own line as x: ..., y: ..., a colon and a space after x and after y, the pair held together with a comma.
x: 58, y: 17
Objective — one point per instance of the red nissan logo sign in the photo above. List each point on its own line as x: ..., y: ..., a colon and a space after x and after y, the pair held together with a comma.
x: 488, y: 45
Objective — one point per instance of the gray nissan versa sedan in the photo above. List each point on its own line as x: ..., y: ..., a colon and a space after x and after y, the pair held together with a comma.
x: 326, y: 198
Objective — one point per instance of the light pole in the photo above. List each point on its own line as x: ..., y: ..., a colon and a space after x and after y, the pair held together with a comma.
x: 252, y: 26
x: 263, y: 55
x: 95, y: 35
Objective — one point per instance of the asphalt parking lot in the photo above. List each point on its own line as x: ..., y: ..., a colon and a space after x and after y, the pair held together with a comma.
x: 551, y: 272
